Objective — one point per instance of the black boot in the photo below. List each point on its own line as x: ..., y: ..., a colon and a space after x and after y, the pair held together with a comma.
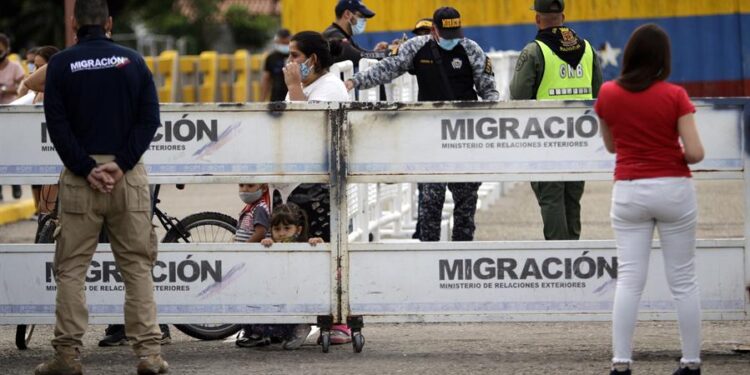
x: 114, y: 336
x: 166, y: 338
x: 17, y: 192
x: 248, y: 339
x: 620, y: 369
x: 688, y: 369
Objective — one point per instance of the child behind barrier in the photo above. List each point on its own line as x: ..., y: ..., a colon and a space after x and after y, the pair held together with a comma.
x: 288, y: 224
x: 252, y: 226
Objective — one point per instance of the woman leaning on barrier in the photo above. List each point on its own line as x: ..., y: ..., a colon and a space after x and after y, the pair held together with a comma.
x: 308, y: 78
x: 643, y: 119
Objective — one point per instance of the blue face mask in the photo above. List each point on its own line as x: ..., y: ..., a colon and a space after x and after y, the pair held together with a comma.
x: 31, y: 67
x: 448, y: 44
x: 359, y: 27
x: 281, y: 48
x: 304, y: 70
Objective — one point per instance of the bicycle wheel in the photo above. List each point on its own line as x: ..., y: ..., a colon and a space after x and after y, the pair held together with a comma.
x: 45, y: 234
x: 23, y: 336
x: 209, y: 331
x: 46, y: 228
x: 203, y: 227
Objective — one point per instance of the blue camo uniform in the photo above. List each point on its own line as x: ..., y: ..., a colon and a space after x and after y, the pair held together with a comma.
x: 475, y: 70
x: 469, y: 72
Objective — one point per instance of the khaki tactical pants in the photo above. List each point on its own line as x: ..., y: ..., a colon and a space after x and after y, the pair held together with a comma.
x: 125, y: 212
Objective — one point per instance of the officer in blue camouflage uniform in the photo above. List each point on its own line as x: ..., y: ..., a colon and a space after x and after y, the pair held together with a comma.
x: 448, y: 67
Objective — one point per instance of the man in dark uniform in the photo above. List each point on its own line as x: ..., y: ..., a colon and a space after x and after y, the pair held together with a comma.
x: 423, y: 27
x: 351, y: 19
x: 272, y: 86
x: 557, y: 48
x: 448, y: 67
x: 102, y: 113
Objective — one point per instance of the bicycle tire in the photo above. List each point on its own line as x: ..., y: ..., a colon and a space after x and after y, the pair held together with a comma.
x: 47, y: 232
x: 42, y: 228
x: 222, y: 229
x: 23, y: 336
x: 209, y: 332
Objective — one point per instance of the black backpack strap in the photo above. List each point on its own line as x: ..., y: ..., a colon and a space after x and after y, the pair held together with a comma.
x: 443, y: 74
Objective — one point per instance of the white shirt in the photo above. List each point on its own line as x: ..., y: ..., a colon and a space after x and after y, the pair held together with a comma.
x: 327, y: 88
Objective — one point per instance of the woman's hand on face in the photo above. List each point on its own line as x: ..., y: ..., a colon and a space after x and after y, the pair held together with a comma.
x: 292, y: 75
x: 267, y: 242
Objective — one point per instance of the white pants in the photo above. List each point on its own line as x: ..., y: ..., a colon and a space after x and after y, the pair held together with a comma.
x: 638, y: 206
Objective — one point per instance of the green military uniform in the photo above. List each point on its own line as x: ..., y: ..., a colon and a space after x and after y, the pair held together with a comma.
x: 528, y: 74
x: 557, y: 66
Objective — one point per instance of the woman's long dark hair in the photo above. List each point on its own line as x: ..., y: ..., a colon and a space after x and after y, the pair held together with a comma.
x: 290, y: 214
x: 46, y: 52
x: 647, y: 58
x: 311, y: 42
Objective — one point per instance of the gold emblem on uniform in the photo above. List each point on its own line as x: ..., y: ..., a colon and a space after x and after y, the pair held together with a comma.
x: 569, y: 41
x: 451, y: 23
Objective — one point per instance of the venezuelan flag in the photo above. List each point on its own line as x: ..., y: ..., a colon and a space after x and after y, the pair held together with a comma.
x: 710, y: 38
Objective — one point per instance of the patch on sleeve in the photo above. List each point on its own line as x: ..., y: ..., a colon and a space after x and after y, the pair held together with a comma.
x: 488, y: 66
x: 522, y: 58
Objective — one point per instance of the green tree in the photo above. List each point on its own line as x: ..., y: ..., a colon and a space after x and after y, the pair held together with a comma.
x: 250, y: 31
x: 33, y: 23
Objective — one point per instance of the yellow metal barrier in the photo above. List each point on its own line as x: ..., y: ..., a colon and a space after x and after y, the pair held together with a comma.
x: 209, y: 77
x: 241, y: 83
x: 188, y: 67
x: 166, y: 66
x: 256, y: 70
x: 208, y: 67
x: 225, y: 77
x: 150, y: 64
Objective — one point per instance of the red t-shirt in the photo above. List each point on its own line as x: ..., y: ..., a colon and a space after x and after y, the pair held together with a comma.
x: 644, y: 129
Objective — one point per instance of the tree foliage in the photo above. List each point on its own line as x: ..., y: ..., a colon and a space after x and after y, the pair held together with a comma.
x: 33, y: 22
x: 250, y: 30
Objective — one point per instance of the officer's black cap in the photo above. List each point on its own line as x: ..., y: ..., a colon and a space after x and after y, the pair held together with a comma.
x: 447, y: 20
x: 549, y: 6
x: 354, y: 6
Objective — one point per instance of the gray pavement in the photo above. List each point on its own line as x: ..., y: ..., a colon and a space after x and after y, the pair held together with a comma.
x: 493, y: 348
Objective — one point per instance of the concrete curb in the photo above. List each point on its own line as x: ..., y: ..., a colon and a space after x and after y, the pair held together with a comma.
x: 12, y: 212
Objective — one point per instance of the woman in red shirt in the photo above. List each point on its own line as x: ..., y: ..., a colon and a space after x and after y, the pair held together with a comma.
x: 643, y: 118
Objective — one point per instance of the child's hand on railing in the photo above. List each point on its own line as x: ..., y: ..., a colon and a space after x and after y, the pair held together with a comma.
x: 314, y: 241
x: 267, y: 242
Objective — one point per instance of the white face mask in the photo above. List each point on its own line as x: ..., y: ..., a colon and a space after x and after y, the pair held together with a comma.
x: 250, y: 198
x: 359, y: 27
x: 281, y: 48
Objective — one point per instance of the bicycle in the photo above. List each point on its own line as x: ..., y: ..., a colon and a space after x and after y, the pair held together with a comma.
x: 198, y: 227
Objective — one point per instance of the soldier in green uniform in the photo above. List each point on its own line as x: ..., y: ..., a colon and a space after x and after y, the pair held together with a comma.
x: 557, y: 65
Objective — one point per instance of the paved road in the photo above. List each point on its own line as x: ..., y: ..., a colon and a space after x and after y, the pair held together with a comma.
x: 496, y: 348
